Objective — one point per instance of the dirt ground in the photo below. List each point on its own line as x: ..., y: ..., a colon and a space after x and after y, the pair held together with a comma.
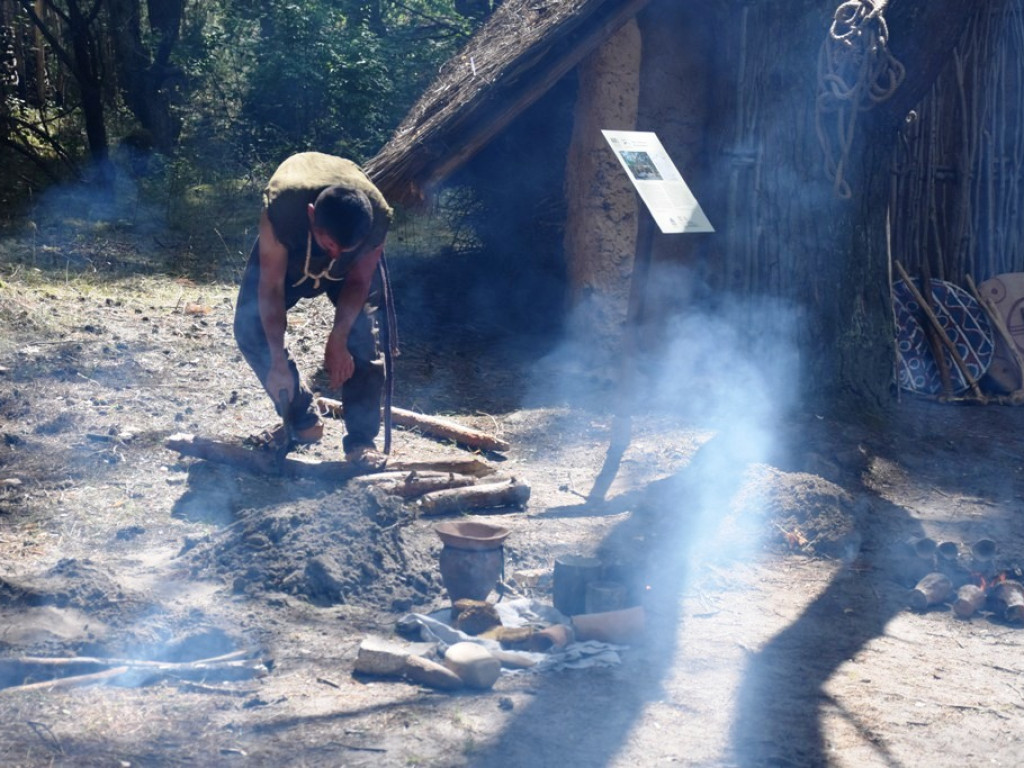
x: 774, y: 585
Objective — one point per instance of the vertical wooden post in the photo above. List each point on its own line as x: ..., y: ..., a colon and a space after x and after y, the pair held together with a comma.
x: 622, y: 424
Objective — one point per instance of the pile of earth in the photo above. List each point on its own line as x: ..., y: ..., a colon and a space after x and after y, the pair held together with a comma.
x: 796, y: 510
x: 356, y: 547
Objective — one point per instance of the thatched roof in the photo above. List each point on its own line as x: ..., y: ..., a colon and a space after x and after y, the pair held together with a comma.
x: 523, y: 49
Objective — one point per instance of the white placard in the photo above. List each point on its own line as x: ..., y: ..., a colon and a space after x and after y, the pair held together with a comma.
x: 671, y: 203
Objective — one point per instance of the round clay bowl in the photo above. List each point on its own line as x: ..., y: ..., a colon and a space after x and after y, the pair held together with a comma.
x: 467, y: 534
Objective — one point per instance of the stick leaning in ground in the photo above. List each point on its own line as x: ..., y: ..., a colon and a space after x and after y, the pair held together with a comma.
x: 949, y: 345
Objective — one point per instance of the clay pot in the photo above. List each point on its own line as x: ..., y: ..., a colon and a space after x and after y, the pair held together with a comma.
x: 469, y: 534
x: 472, y: 558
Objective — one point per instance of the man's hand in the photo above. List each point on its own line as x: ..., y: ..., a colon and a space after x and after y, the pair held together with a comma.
x: 337, y: 361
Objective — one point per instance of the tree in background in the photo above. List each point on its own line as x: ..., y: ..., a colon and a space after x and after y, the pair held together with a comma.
x: 340, y: 76
x: 214, y: 84
x: 147, y: 77
x: 72, y: 32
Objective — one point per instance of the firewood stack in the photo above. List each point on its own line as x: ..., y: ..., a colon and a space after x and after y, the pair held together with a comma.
x: 970, y: 580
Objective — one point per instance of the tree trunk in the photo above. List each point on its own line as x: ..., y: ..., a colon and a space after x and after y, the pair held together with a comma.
x: 80, y: 58
x: 143, y: 76
x: 85, y: 69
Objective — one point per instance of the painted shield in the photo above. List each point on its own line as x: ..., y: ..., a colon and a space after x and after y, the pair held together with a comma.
x: 965, y: 324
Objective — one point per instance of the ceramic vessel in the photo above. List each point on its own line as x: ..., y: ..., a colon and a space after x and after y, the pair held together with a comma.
x: 472, y: 558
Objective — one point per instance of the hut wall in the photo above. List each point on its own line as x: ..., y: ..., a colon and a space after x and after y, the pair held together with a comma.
x: 601, y: 222
x: 959, y: 169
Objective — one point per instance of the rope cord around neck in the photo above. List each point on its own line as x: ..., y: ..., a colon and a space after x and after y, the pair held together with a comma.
x: 307, y: 275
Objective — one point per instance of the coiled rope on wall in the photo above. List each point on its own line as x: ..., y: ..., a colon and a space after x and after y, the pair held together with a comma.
x: 856, y: 71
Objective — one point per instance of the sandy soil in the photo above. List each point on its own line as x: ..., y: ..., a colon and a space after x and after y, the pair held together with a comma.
x: 775, y: 588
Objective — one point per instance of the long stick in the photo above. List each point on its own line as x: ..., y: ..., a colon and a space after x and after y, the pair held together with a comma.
x: 67, y: 682
x: 73, y: 661
x: 950, y: 346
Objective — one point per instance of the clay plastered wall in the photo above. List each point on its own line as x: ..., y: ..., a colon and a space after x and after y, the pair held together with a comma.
x: 602, y: 206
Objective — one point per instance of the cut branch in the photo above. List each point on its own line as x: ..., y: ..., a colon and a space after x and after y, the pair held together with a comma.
x: 489, y: 495
x: 125, y: 671
x: 410, y: 485
x: 428, y: 425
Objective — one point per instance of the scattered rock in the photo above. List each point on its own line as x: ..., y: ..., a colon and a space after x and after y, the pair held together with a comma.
x: 475, y: 617
x: 430, y: 673
x: 474, y: 665
x: 379, y: 656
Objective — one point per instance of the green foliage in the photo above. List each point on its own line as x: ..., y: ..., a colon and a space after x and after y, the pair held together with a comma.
x: 250, y: 83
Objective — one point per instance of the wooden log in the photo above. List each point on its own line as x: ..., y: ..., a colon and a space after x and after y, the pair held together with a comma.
x: 932, y: 589
x: 969, y: 598
x: 1008, y: 598
x: 14, y: 664
x: 471, y: 467
x: 264, y: 462
x: 410, y: 485
x: 488, y: 495
x: 428, y: 425
x: 260, y: 461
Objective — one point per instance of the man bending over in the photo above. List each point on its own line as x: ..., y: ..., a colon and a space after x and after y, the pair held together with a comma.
x: 322, y: 230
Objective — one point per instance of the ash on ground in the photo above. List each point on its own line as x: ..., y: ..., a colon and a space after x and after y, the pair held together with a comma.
x: 350, y: 547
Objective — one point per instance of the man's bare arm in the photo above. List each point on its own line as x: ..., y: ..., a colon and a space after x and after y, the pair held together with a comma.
x: 273, y: 269
x: 351, y: 299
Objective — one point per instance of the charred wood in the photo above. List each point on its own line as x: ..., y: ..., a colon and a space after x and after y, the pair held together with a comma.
x: 489, y: 495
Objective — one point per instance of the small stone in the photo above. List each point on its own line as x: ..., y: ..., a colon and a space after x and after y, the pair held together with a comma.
x: 10, y: 482
x: 430, y: 673
x: 378, y: 656
x: 474, y: 665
